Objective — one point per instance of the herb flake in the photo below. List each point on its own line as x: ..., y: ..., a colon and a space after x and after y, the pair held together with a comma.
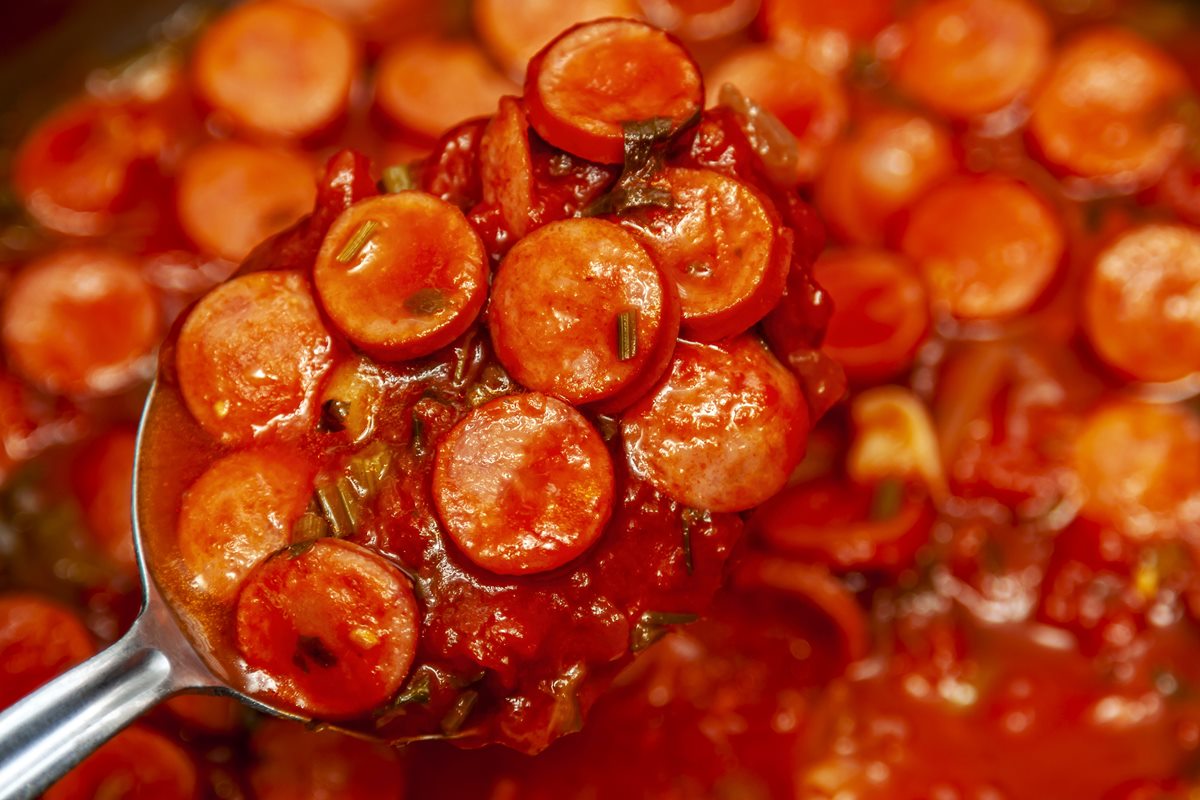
x: 308, y: 528
x: 567, y: 716
x: 334, y: 414
x: 627, y: 334
x: 399, y: 178
x: 645, y: 141
x: 357, y: 241
x: 425, y: 302
x: 418, y: 435
x: 338, y: 509
x: 314, y: 649
x: 654, y: 625
x: 887, y: 500
x: 417, y: 692
x: 453, y: 721
x: 689, y: 519
x: 300, y: 548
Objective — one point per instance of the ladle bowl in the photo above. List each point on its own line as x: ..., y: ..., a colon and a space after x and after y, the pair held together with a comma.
x: 45, y: 734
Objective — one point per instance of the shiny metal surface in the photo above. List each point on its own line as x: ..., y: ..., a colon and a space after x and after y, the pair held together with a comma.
x: 51, y: 730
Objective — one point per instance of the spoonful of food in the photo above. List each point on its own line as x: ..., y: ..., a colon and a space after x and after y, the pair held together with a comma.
x: 364, y: 503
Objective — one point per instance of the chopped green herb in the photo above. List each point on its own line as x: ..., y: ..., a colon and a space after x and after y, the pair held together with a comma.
x: 308, y: 528
x: 339, y: 502
x: 641, y: 132
x: 607, y: 426
x: 464, y: 357
x: 453, y: 721
x: 654, y: 625
x: 314, y: 649
x: 645, y: 142
x: 367, y: 468
x: 493, y: 382
x: 339, y: 509
x: 690, y: 518
x: 627, y: 331
x: 425, y: 302
x: 399, y: 178
x: 567, y: 716
x: 301, y: 547
x: 334, y: 414
x: 416, y: 692
x: 887, y: 500
x: 357, y: 241
x: 418, y: 435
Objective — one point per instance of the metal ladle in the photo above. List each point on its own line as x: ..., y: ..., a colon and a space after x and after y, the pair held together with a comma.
x: 45, y: 734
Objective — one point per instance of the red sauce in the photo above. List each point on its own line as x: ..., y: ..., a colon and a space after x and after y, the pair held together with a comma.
x: 981, y: 582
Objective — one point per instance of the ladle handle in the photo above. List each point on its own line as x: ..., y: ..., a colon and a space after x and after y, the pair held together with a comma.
x: 45, y: 734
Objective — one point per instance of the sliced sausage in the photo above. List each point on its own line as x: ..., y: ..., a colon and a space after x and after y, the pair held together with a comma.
x: 524, y: 484
x: 723, y: 431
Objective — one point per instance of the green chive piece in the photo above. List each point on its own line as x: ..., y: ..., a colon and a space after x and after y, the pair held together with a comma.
x: 654, y: 625
x: 298, y: 549
x: 332, y: 503
x: 627, y: 325
x: 417, y: 692
x: 310, y: 526
x: 567, y: 716
x: 418, y: 435
x: 887, y: 500
x: 425, y: 302
x: 690, y: 518
x: 313, y: 648
x: 357, y: 241
x: 399, y: 178
x: 453, y: 721
x: 334, y: 414
x: 367, y: 468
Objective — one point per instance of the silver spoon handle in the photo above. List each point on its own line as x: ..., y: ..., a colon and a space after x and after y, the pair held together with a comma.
x: 45, y: 734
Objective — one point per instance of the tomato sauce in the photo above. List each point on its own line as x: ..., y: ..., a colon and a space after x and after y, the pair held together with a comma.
x: 949, y: 247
